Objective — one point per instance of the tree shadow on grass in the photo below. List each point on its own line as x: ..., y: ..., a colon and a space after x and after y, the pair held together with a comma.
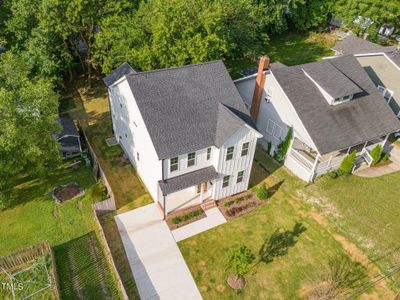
x: 279, y: 242
x: 273, y: 189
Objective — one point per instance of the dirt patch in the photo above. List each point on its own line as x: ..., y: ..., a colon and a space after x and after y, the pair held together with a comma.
x: 172, y: 219
x: 67, y: 192
x: 238, y: 205
x: 236, y: 282
x: 121, y: 161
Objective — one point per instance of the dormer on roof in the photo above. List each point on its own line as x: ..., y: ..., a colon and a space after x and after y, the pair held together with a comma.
x: 335, y: 86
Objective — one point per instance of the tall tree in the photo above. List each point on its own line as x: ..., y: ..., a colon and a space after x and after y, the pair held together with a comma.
x: 178, y: 32
x: 28, y: 109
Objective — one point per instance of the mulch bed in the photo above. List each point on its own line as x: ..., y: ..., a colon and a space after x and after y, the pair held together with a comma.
x: 236, y: 209
x: 67, y: 192
x: 183, y: 212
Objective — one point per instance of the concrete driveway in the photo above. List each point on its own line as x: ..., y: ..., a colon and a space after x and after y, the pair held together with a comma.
x: 157, y: 264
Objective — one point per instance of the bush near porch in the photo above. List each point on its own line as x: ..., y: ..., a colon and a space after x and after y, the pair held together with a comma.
x: 295, y: 274
x: 185, y: 216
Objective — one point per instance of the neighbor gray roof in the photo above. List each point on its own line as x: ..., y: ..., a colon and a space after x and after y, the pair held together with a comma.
x: 355, y: 45
x: 116, y: 74
x: 333, y: 81
x: 336, y: 127
x: 184, y: 181
x: 188, y: 108
x: 68, y: 127
x: 394, y: 56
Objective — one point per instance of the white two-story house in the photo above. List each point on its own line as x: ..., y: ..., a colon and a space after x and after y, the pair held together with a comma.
x: 332, y: 105
x: 185, y: 130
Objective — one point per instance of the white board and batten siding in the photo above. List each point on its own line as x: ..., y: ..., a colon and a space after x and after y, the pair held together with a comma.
x: 131, y: 132
x: 200, y: 163
x: 236, y: 164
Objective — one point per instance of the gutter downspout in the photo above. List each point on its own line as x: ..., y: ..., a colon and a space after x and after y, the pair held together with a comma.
x: 163, y: 179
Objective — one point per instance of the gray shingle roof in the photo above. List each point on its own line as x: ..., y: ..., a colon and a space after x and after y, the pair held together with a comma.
x: 336, y: 127
x: 394, y: 56
x: 184, y: 181
x: 116, y: 74
x: 68, y: 127
x: 356, y: 45
x: 181, y: 106
x: 334, y: 82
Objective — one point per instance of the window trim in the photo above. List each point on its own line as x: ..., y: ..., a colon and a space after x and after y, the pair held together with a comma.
x: 229, y: 154
x: 240, y: 176
x: 225, y: 181
x: 273, y: 129
x: 209, y: 153
x: 191, y: 160
x: 171, y: 164
x: 245, y: 149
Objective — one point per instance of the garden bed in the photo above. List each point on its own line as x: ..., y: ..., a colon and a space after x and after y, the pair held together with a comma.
x: 185, y: 216
x: 67, y: 192
x: 238, y: 205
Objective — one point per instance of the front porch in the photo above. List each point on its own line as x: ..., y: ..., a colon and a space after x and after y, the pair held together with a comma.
x: 306, y: 163
x: 186, y: 190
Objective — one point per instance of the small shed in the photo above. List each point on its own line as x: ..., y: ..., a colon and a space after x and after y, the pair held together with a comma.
x: 69, y: 139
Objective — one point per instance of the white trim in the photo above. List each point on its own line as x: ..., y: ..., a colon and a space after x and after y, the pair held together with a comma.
x: 295, y: 112
x: 379, y: 54
x: 245, y: 78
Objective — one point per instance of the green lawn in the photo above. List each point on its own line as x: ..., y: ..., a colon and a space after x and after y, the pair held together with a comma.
x: 289, y: 49
x: 90, y: 106
x: 30, y: 219
x: 366, y: 210
x: 294, y: 274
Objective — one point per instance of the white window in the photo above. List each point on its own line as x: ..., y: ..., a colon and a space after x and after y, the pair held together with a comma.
x: 173, y: 164
x: 245, y: 149
x: 240, y: 176
x: 225, y: 181
x: 191, y: 159
x: 274, y: 129
x: 229, y: 153
x: 208, y: 153
x: 386, y: 93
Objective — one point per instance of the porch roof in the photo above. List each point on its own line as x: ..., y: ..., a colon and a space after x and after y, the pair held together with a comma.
x: 184, y: 181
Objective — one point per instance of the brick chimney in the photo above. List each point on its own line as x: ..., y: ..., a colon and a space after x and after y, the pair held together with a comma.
x: 258, y: 90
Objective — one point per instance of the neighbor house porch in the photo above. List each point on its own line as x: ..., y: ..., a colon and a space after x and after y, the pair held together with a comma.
x: 186, y: 190
x: 306, y: 163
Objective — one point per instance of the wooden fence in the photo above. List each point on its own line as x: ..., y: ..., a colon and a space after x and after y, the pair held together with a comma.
x: 108, y: 255
x: 104, y: 206
x: 16, y: 260
x: 97, y: 170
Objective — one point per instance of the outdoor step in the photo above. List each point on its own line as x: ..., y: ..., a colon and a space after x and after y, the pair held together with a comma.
x: 208, y: 204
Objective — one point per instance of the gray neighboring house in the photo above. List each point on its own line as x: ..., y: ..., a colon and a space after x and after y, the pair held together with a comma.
x: 382, y: 64
x: 70, y: 144
x: 332, y: 105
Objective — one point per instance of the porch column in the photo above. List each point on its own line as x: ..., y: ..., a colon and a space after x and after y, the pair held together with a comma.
x: 314, y: 167
x: 201, y: 193
x: 384, y: 141
x: 348, y: 150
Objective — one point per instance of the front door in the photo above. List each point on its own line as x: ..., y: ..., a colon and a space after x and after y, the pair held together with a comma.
x: 205, y: 186
x: 198, y: 188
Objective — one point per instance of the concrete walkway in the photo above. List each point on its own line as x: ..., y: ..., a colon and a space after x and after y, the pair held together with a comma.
x: 394, y: 166
x: 157, y: 264
x: 213, y: 219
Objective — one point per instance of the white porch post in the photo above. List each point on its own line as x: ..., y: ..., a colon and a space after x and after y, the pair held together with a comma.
x: 365, y: 145
x: 330, y: 160
x: 314, y: 167
x: 384, y: 141
x: 348, y: 150
x: 201, y: 193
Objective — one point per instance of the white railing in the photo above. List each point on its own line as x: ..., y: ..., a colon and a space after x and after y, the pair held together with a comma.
x: 301, y: 159
x: 367, y: 157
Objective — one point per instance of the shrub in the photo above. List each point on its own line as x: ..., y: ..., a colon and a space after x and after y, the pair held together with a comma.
x: 283, y: 147
x: 269, y: 146
x: 376, y: 154
x: 346, y: 166
x: 3, y: 202
x: 384, y: 157
x: 333, y: 174
x: 239, y: 260
x: 262, y: 192
x: 188, y: 216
